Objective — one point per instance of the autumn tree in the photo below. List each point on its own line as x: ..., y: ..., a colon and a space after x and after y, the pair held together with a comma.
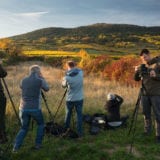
x: 85, y: 57
x: 10, y: 48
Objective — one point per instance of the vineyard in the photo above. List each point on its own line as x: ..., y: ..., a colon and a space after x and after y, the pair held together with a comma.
x: 49, y: 53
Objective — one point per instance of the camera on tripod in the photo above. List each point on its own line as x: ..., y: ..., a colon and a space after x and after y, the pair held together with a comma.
x: 143, y: 70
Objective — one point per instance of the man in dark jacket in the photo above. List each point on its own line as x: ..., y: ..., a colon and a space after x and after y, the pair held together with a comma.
x: 149, y: 73
x: 30, y: 106
x: 112, y: 106
x: 3, y: 137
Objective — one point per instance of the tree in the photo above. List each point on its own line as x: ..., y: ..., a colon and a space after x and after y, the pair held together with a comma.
x: 9, y: 47
x: 85, y: 57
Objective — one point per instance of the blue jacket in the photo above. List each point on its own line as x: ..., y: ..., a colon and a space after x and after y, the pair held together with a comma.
x: 73, y: 80
x: 31, y: 91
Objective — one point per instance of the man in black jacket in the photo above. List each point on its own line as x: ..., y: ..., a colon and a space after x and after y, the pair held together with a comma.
x: 112, y: 106
x: 3, y: 137
x: 149, y: 73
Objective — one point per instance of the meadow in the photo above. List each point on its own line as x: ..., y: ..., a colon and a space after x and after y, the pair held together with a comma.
x: 107, y: 145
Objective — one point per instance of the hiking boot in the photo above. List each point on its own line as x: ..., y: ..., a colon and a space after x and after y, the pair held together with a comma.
x: 80, y: 138
x: 3, y: 140
x: 146, y: 133
x: 158, y: 139
x: 37, y: 147
x: 14, y: 150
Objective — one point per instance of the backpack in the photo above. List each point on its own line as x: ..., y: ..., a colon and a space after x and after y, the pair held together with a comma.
x: 55, y: 129
x: 98, y: 122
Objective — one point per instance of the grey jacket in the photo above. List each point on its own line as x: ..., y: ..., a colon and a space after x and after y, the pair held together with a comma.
x: 31, y: 91
x: 73, y: 80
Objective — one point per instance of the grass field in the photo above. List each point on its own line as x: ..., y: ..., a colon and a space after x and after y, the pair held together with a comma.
x: 107, y: 145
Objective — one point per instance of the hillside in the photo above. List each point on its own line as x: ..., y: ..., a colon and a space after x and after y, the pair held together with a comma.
x: 97, y: 36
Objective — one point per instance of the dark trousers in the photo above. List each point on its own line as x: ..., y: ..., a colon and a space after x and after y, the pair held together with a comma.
x: 2, y: 113
x: 148, y: 103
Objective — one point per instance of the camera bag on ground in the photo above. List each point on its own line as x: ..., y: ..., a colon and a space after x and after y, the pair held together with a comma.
x: 55, y: 129
x: 99, y: 121
x: 96, y: 122
x: 52, y: 128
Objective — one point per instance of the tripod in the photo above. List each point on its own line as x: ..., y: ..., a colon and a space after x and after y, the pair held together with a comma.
x: 60, y: 102
x: 134, y: 119
x: 46, y: 104
x: 4, y: 151
x: 52, y: 123
x: 14, y: 108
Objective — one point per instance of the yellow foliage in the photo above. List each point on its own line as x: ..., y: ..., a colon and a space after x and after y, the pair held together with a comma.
x: 85, y: 57
x: 5, y: 43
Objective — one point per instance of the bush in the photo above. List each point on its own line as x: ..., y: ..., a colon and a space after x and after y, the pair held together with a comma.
x: 122, y: 70
x: 97, y: 64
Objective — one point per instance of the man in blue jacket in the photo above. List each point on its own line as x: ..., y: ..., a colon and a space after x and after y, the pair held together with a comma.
x: 30, y: 106
x: 73, y: 80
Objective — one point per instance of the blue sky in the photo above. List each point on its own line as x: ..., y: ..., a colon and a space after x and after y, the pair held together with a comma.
x: 21, y: 16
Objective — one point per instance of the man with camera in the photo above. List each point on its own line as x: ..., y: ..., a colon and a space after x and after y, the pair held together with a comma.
x: 112, y: 106
x: 149, y: 73
x: 30, y: 106
x: 73, y: 80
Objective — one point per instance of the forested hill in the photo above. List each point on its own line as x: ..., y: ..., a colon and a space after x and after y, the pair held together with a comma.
x: 91, y: 31
x: 100, y: 33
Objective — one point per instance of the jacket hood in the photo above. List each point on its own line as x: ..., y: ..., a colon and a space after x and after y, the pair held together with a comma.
x: 73, y: 72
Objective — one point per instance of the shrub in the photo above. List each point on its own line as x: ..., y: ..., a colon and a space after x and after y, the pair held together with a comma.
x: 122, y: 70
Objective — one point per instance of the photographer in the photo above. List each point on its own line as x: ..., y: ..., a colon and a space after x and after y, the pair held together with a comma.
x: 30, y: 106
x: 3, y: 137
x: 112, y: 106
x: 73, y: 80
x: 148, y: 73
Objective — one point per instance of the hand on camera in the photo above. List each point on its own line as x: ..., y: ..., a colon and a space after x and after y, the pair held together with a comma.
x: 136, y: 68
x: 40, y: 75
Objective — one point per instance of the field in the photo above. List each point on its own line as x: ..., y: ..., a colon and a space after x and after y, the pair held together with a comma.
x: 49, y: 53
x: 107, y: 145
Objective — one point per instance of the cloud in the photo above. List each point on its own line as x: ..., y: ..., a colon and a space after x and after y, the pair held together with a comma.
x: 31, y: 15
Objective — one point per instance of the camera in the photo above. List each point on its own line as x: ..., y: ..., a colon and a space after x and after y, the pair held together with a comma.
x: 154, y: 60
x: 143, y: 70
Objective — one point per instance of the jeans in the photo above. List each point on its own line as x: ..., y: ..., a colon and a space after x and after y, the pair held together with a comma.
x: 69, y: 108
x: 25, y: 117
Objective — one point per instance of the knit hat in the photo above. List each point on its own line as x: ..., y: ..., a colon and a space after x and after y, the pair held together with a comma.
x: 110, y: 96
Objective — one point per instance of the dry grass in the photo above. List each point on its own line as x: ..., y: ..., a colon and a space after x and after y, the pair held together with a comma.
x: 95, y: 89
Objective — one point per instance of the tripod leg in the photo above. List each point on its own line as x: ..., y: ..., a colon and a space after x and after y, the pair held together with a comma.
x: 14, y: 108
x: 134, y: 120
x: 134, y: 130
x: 60, y: 103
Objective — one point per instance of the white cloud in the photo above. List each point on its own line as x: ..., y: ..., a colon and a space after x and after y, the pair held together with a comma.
x: 31, y: 15
x: 17, y: 23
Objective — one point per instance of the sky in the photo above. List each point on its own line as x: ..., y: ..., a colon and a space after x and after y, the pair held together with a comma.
x: 22, y: 16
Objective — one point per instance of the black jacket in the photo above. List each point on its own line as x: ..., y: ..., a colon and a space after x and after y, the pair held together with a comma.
x: 113, y: 108
x: 151, y: 85
x: 3, y: 74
